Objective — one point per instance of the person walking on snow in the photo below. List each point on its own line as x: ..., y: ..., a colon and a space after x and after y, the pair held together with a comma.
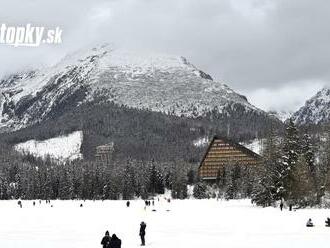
x: 281, y: 205
x: 143, y: 233
x: 115, y: 242
x: 106, y: 240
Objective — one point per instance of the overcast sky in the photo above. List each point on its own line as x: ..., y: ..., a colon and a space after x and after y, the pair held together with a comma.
x: 276, y: 52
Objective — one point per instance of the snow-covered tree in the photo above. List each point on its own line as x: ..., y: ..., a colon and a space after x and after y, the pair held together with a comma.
x: 200, y: 191
x: 269, y: 186
x: 291, y: 151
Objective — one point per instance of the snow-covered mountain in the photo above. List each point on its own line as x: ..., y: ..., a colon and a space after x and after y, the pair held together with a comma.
x: 281, y: 115
x: 316, y: 110
x: 160, y: 83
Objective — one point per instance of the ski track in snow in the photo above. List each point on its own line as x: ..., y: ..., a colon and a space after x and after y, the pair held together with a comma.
x: 189, y: 223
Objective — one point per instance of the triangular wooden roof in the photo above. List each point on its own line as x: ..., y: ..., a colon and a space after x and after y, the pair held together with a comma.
x: 234, y: 144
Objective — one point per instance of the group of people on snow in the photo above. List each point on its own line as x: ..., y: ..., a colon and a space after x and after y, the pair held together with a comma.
x: 282, y: 205
x: 310, y: 222
x: 114, y: 242
x: 110, y: 242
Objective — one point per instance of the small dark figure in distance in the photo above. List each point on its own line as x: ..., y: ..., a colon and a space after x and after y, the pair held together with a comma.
x: 106, y: 240
x: 327, y: 222
x: 143, y: 233
x: 115, y: 242
x: 281, y: 206
x: 127, y: 204
x: 290, y: 207
x: 34, y: 203
x: 153, y: 203
x: 81, y: 205
x: 19, y: 204
x: 309, y: 223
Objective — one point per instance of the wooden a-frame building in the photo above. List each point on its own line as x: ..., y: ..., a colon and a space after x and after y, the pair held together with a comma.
x: 222, y: 153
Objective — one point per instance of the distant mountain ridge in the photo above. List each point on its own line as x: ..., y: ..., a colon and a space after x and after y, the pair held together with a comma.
x: 160, y: 83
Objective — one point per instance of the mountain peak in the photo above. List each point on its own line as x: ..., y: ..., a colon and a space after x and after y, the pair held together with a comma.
x: 316, y: 110
x: 158, y: 82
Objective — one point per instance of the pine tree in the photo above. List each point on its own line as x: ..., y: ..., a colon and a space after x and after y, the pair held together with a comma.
x: 325, y: 163
x: 200, y: 191
x: 290, y: 156
x: 308, y: 154
x: 156, y: 182
x: 129, y: 182
x: 269, y: 186
x: 191, y: 177
x: 302, y: 191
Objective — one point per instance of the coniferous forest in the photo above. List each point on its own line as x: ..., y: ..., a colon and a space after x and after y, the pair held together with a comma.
x: 154, y: 152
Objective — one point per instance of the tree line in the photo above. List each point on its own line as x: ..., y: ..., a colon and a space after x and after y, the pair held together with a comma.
x: 296, y: 168
x: 27, y: 177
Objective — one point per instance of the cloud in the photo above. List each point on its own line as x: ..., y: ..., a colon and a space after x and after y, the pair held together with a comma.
x: 252, y: 45
x: 289, y: 97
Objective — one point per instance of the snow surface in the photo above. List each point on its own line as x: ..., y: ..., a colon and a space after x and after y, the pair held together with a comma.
x: 281, y: 115
x: 189, y: 223
x: 255, y: 145
x: 59, y: 148
x: 201, y: 142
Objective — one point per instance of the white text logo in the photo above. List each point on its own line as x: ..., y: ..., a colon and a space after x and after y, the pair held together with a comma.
x: 29, y: 35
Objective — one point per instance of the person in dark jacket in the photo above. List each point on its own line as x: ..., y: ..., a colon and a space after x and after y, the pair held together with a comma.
x: 281, y: 206
x: 115, y: 242
x: 106, y: 240
x: 143, y: 233
x: 327, y: 222
x: 127, y: 204
x: 309, y: 223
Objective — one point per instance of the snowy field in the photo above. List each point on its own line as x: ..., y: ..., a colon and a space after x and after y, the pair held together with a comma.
x: 188, y: 223
x: 60, y: 148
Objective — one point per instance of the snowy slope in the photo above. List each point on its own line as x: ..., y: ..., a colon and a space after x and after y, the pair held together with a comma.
x: 201, y: 142
x: 59, y: 148
x: 316, y: 110
x: 255, y: 145
x: 188, y: 224
x: 162, y: 83
x: 281, y: 115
